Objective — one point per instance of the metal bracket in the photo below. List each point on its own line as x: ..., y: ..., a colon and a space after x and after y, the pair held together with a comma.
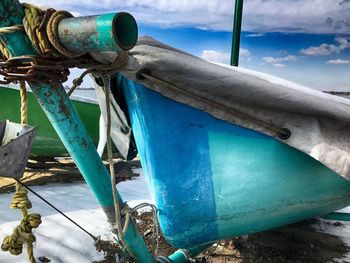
x: 15, y: 146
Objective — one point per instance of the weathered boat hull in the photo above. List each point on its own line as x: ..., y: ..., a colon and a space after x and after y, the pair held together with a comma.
x: 47, y: 143
x: 211, y: 179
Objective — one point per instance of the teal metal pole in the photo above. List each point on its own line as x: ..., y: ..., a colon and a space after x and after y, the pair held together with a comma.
x: 66, y: 121
x: 106, y: 32
x: 236, y: 34
x: 183, y: 255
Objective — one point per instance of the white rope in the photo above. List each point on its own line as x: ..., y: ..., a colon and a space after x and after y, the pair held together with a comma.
x: 117, y: 209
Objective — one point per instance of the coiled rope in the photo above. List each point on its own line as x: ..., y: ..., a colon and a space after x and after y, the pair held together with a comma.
x: 51, y: 65
x: 22, y: 234
x: 40, y: 26
x: 52, y: 34
x: 33, y: 26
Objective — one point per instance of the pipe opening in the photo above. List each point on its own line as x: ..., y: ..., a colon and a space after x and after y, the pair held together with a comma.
x: 125, y: 30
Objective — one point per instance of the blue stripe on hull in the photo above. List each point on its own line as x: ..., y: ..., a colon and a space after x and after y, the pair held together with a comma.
x: 211, y: 179
x: 178, y: 173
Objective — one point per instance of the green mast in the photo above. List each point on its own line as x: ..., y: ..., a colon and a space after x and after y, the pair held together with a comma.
x: 236, y: 36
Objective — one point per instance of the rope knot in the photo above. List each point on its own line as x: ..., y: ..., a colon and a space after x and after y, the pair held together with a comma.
x: 34, y: 220
x: 23, y: 233
x: 20, y: 200
x: 107, y: 70
x: 12, y: 245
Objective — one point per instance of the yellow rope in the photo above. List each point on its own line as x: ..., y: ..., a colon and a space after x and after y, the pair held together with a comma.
x: 24, y: 103
x: 32, y: 21
x: 4, y: 30
x: 43, y: 39
x: 3, y: 49
x: 33, y: 17
x: 22, y: 234
x: 11, y: 29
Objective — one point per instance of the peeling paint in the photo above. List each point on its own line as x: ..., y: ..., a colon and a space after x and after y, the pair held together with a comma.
x: 63, y: 108
x: 84, y: 143
x: 96, y: 33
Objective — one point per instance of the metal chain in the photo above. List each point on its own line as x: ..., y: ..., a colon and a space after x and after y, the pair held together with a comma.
x: 52, y: 64
x: 41, y: 70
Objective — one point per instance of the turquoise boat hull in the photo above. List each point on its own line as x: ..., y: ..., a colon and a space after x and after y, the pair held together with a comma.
x: 213, y: 180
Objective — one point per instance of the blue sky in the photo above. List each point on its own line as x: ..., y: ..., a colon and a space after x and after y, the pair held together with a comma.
x: 321, y: 61
x: 306, y: 41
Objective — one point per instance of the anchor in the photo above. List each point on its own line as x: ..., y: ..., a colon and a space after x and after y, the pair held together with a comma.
x: 15, y: 145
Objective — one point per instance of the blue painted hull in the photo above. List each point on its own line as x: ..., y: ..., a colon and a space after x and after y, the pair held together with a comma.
x: 212, y: 180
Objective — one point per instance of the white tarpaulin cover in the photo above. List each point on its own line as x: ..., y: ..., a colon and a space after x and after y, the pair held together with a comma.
x: 120, y: 130
x: 319, y: 123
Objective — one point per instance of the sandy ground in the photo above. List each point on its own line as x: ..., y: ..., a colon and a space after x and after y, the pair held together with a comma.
x: 41, y: 173
x: 315, y: 240
x: 309, y: 241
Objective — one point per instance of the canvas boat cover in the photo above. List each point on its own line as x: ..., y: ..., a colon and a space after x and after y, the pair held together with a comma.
x: 319, y: 123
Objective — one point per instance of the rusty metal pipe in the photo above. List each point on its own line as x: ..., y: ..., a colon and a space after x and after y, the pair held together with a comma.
x: 107, y: 32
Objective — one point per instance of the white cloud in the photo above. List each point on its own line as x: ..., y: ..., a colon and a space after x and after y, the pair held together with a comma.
x: 273, y: 60
x: 223, y: 57
x: 327, y: 49
x: 322, y: 50
x: 338, y: 61
x: 278, y: 65
x: 255, y: 35
x: 296, y: 16
x: 216, y: 56
x: 259, y: 15
x: 244, y: 52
